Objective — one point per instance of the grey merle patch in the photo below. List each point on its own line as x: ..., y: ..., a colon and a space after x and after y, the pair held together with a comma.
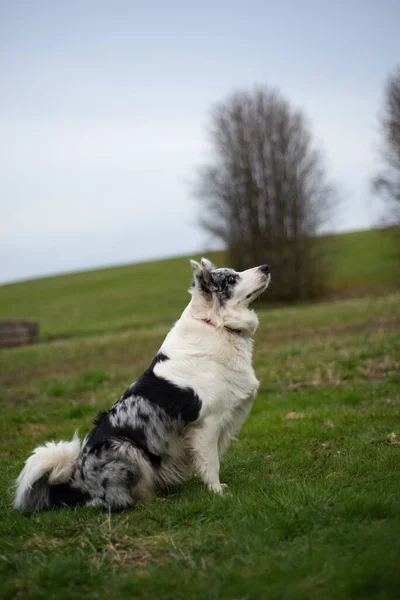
x: 219, y: 283
x: 132, y: 437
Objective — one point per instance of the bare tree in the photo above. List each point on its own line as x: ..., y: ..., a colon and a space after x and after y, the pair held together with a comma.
x: 264, y: 192
x: 387, y: 182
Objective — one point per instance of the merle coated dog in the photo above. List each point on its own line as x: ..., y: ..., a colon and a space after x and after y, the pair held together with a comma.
x: 178, y: 417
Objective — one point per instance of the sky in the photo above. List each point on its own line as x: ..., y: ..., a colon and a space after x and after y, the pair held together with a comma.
x: 104, y: 108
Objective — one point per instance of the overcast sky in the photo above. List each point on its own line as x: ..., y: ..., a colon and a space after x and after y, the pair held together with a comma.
x: 104, y: 107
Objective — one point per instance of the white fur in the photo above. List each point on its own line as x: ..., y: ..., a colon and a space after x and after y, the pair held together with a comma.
x: 57, y: 459
x: 216, y: 362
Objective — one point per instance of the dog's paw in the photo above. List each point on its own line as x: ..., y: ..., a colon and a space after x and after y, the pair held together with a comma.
x: 217, y: 488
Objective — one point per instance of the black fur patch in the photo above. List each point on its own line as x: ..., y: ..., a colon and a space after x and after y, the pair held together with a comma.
x: 97, y: 420
x: 67, y: 495
x: 101, y: 436
x: 160, y: 357
x: 143, y: 417
x: 175, y: 401
x: 162, y: 396
x: 205, y: 286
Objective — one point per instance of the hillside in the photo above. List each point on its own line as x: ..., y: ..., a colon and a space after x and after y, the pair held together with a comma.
x: 145, y: 294
x: 311, y: 511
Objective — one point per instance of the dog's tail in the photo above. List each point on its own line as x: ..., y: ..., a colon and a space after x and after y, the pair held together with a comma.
x: 46, y: 479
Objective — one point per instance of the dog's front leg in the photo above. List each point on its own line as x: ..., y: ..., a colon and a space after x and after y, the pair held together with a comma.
x: 205, y: 454
x: 233, y: 425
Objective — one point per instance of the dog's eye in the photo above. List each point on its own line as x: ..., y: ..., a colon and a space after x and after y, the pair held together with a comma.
x: 231, y: 279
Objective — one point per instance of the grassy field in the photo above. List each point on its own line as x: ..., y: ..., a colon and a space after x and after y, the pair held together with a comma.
x: 148, y: 294
x: 313, y: 505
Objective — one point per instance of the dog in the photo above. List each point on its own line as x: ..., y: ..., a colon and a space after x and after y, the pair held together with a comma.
x: 176, y: 419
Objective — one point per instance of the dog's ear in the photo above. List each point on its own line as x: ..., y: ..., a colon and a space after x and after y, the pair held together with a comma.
x: 202, y: 279
x: 207, y: 267
x: 198, y: 279
x: 196, y: 268
x: 207, y: 264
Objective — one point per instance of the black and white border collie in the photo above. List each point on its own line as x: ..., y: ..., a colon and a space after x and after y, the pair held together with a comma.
x: 178, y: 417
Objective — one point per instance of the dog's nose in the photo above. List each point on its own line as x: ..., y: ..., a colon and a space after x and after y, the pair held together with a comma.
x: 265, y: 269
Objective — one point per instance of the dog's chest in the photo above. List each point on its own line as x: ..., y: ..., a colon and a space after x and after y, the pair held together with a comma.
x: 230, y: 389
x: 224, y: 389
x: 217, y: 368
x: 220, y: 387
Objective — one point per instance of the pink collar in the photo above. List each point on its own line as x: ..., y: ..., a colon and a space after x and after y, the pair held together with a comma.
x: 209, y: 322
x: 226, y: 328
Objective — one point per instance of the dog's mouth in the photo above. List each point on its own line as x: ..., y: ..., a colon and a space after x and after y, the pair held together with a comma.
x: 255, y: 293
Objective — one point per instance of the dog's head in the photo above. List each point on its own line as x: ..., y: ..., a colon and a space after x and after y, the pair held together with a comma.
x: 226, y: 294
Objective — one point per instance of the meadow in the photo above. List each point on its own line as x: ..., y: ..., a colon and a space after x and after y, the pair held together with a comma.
x: 312, y: 510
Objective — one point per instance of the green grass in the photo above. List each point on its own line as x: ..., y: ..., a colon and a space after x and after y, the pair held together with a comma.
x: 313, y: 505
x: 149, y: 294
x: 364, y: 261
